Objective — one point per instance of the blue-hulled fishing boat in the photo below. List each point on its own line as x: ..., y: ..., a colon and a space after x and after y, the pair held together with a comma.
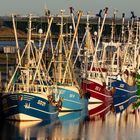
x: 71, y: 99
x: 63, y: 73
x: 123, y: 95
x: 121, y: 74
x: 28, y: 95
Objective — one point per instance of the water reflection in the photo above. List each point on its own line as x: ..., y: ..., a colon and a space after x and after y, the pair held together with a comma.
x: 112, y: 126
x: 99, y: 111
x: 127, y: 127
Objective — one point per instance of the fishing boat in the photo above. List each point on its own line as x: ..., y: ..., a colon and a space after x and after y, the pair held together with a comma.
x: 29, y: 96
x: 63, y: 74
x: 120, y: 79
x: 136, y: 63
x: 138, y: 91
x: 92, y: 73
x: 123, y: 95
x: 122, y: 73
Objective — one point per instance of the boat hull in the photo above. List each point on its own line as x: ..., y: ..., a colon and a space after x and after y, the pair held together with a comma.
x: 27, y: 106
x: 138, y: 92
x: 138, y: 85
x: 123, y: 95
x: 71, y: 99
x: 97, y: 92
x: 99, y: 111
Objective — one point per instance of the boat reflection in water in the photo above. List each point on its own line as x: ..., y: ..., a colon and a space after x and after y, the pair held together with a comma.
x: 99, y: 110
x: 28, y: 130
x: 72, y: 126
x: 128, y: 125
x: 74, y: 115
x: 59, y: 129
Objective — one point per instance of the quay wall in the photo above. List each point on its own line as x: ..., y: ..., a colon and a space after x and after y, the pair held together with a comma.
x: 41, y: 22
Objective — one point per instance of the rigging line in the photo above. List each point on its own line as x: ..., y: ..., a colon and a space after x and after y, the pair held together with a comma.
x: 95, y: 55
x: 15, y: 33
x: 72, y: 44
x: 7, y: 88
x: 46, y: 37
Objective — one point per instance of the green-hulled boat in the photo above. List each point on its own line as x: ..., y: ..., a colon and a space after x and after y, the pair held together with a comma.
x: 138, y: 91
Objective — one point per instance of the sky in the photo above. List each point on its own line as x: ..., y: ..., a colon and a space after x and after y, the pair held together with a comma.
x: 36, y: 7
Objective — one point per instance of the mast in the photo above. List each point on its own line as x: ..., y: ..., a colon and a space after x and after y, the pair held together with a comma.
x: 28, y: 53
x: 113, y: 27
x: 59, y: 57
x: 42, y: 50
x: 60, y: 48
x: 87, y: 36
x: 135, y: 47
x: 132, y: 19
x: 138, y: 53
x: 73, y: 22
x: 17, y: 45
x: 123, y: 20
x: 118, y: 58
x: 99, y: 15
x: 29, y: 39
x: 20, y: 58
x: 71, y: 46
x: 130, y: 37
x: 98, y: 41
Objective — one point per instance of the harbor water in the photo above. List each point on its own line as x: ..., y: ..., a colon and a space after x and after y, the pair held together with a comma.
x: 127, y: 127
x: 105, y: 125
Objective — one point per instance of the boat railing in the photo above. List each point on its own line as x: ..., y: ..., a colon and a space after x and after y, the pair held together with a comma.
x: 96, y: 74
x: 114, y: 68
x: 33, y: 88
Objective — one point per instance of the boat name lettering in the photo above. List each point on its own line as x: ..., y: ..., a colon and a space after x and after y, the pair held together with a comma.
x: 121, y: 107
x: 61, y: 91
x: 42, y: 103
x: 97, y: 88
x: 27, y: 105
x: 72, y: 96
x: 122, y: 85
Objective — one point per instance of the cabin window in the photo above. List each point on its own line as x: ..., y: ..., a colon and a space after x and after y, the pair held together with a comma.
x: 39, y: 89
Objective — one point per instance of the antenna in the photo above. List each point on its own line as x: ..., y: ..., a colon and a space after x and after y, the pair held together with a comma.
x: 99, y: 37
x: 73, y: 22
x: 47, y: 11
